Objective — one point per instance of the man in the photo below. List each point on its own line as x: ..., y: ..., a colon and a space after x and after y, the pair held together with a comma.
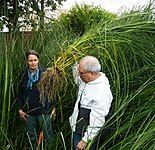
x: 30, y: 109
x: 93, y: 101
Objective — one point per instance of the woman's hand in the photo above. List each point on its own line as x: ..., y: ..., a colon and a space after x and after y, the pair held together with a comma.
x: 22, y: 114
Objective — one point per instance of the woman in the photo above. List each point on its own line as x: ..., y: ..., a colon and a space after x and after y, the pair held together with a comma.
x: 30, y: 109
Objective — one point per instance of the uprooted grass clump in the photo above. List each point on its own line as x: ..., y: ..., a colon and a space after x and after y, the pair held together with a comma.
x: 50, y: 84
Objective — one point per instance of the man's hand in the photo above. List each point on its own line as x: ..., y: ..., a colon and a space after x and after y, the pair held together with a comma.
x: 81, y: 145
x: 22, y: 114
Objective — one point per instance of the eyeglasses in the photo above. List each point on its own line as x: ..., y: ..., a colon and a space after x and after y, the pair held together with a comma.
x: 83, y: 73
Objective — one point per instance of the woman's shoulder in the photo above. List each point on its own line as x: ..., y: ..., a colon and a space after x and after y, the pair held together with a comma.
x: 42, y: 69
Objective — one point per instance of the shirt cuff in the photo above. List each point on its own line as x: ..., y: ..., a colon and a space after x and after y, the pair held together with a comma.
x: 85, y: 139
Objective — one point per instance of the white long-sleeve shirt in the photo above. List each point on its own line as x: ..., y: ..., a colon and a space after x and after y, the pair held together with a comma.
x: 97, y: 96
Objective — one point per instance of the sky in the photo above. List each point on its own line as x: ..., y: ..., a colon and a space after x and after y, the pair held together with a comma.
x: 111, y: 5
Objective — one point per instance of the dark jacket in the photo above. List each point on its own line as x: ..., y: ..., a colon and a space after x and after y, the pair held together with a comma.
x: 28, y: 99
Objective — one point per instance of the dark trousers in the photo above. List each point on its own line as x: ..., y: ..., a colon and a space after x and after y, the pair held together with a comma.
x: 44, y: 123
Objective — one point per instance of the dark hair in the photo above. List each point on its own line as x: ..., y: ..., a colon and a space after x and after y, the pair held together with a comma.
x: 33, y: 52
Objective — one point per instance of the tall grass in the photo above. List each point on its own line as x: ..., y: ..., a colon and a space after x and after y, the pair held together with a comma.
x: 126, y: 49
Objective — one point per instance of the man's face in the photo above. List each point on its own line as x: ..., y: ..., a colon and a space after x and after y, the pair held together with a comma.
x: 84, y: 75
x: 32, y: 62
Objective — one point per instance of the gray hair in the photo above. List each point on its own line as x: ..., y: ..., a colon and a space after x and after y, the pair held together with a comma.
x: 91, y: 64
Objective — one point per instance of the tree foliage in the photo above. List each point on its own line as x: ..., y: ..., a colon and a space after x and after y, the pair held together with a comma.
x: 81, y: 18
x: 15, y: 14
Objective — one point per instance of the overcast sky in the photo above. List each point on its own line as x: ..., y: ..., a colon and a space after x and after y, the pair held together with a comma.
x: 110, y: 5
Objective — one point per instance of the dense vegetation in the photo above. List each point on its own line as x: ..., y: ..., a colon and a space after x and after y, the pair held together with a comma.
x: 125, y: 46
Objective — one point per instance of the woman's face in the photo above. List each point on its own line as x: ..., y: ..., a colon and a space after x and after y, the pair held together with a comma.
x: 32, y: 62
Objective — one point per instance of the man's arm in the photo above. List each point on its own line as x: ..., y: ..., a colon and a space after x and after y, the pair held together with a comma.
x: 99, y: 110
x: 75, y: 72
